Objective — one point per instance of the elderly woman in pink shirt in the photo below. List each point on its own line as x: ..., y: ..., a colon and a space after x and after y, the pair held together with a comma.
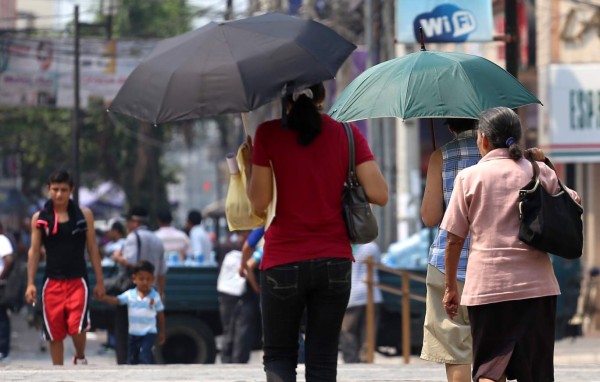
x: 510, y: 289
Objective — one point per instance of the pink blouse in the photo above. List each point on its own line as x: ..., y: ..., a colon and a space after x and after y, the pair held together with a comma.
x: 484, y: 202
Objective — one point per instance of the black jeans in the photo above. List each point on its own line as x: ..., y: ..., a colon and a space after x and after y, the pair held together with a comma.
x: 322, y: 286
x: 238, y: 315
x: 353, y: 340
x: 4, y: 331
x: 121, y: 335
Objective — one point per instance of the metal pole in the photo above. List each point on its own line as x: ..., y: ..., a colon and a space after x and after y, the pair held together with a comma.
x: 109, y: 20
x: 406, y: 317
x: 370, y: 322
x: 75, y: 127
x: 512, y: 37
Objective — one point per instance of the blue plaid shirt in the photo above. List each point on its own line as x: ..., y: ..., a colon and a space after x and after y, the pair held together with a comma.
x: 457, y: 154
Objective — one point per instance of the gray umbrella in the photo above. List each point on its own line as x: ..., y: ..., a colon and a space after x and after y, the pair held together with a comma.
x: 228, y: 67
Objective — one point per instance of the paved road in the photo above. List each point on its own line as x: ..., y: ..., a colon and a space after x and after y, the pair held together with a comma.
x: 577, y: 360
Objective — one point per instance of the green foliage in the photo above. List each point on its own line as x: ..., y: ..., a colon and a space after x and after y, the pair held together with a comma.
x: 152, y: 19
x: 41, y: 137
x: 122, y: 150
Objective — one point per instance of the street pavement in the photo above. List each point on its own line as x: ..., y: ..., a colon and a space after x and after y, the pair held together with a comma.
x: 575, y: 360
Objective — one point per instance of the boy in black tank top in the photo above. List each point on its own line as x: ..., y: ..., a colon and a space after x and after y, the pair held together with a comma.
x: 65, y: 231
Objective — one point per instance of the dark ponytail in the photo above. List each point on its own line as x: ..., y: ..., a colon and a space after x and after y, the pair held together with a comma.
x: 305, y: 116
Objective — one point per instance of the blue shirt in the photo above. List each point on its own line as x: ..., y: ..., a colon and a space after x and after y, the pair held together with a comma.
x: 141, y: 311
x: 460, y: 153
x: 255, y: 237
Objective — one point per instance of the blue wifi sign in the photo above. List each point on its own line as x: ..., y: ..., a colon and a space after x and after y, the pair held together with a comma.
x: 445, y: 20
x: 446, y: 23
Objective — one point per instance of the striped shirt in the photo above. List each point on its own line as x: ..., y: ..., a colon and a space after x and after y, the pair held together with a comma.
x: 141, y: 311
x: 460, y: 153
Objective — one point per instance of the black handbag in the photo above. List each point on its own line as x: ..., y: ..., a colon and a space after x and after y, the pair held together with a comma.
x: 122, y: 281
x: 360, y: 222
x: 12, y: 289
x: 551, y: 223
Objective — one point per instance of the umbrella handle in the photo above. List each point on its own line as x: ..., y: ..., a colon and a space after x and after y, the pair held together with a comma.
x: 245, y: 123
x: 432, y: 133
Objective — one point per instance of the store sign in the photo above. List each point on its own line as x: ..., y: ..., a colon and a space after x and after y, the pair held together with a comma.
x: 444, y: 21
x: 573, y: 131
x: 579, y: 23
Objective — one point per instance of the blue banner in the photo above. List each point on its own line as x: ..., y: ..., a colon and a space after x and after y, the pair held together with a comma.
x: 444, y: 20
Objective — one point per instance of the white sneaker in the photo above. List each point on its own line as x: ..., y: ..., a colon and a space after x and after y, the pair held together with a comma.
x: 79, y: 361
x: 4, y: 358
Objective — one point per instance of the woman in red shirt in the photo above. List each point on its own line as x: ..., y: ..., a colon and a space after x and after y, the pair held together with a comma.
x: 307, y: 254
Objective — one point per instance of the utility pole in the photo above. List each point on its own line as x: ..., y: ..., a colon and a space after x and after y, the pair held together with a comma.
x: 378, y: 24
x: 75, y: 128
x: 76, y: 119
x: 229, y: 10
x: 511, y: 37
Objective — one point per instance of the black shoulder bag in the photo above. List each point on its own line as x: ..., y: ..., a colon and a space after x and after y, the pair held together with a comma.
x: 551, y: 223
x: 360, y: 222
x: 122, y: 281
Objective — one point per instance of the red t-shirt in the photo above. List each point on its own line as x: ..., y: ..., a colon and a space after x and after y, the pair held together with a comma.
x: 308, y: 220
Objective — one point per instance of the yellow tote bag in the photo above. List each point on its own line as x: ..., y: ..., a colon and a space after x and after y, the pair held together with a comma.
x: 238, y: 210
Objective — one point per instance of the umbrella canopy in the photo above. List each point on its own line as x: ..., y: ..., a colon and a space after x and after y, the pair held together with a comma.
x: 233, y: 66
x: 430, y: 84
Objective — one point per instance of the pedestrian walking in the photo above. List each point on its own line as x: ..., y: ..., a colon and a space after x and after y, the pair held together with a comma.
x: 201, y: 245
x: 175, y: 241
x: 353, y: 339
x: 116, y: 237
x: 238, y: 308
x: 251, y: 258
x: 144, y: 310
x: 510, y: 289
x: 140, y: 244
x: 307, y: 254
x: 445, y: 340
x: 65, y: 231
x: 7, y: 262
x: 116, y: 240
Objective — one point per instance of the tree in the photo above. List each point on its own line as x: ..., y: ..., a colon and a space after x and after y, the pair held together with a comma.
x: 122, y: 150
x: 40, y: 137
x: 153, y: 19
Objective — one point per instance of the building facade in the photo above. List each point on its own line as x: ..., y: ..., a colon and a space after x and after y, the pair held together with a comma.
x: 8, y: 13
x: 568, y: 60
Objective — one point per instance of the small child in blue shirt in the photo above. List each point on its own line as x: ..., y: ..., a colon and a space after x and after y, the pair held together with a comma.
x: 144, y: 308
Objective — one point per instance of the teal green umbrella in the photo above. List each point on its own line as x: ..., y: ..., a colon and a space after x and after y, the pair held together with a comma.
x: 430, y: 84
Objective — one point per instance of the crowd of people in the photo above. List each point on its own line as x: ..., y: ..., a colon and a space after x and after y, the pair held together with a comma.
x: 63, y: 235
x: 491, y: 298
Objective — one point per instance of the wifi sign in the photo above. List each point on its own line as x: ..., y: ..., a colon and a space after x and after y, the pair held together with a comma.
x: 446, y: 23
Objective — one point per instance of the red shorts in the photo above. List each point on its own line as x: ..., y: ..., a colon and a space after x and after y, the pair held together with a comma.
x: 65, y: 307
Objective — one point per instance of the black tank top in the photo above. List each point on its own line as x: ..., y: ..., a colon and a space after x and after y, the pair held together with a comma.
x: 65, y: 253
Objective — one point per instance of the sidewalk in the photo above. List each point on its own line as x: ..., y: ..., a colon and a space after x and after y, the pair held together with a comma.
x: 575, y: 360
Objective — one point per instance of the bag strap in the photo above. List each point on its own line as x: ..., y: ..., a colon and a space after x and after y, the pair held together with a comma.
x: 352, y: 180
x: 139, y: 246
x: 536, y: 171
